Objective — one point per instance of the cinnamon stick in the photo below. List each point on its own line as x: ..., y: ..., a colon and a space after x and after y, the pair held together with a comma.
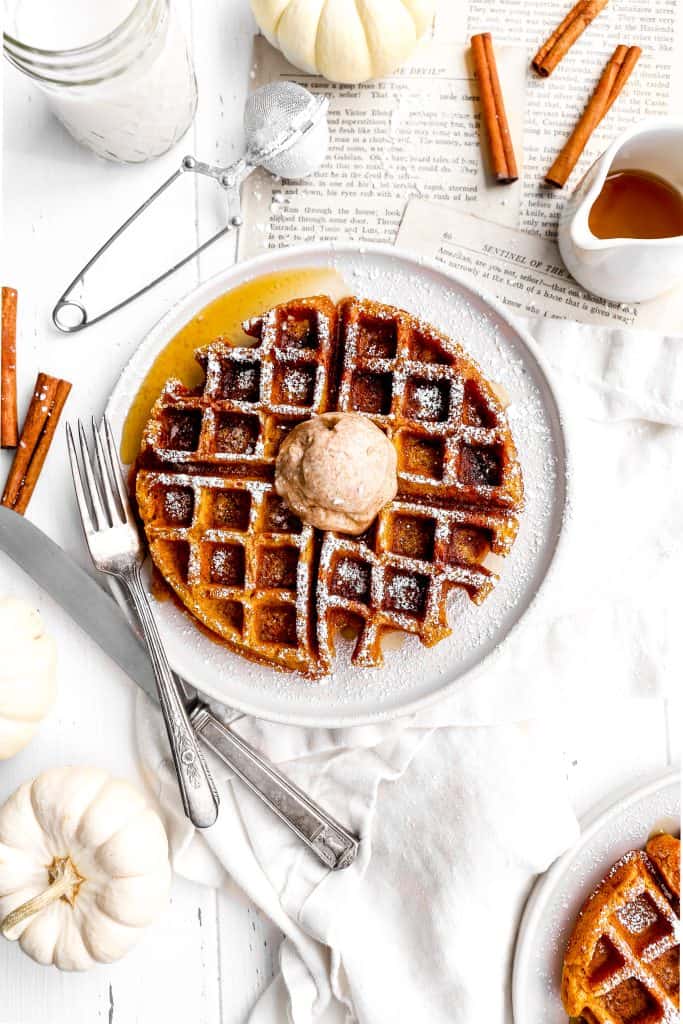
x: 41, y: 421
x: 9, y: 427
x: 559, y: 42
x: 503, y: 163
x: 612, y: 81
x: 627, y: 65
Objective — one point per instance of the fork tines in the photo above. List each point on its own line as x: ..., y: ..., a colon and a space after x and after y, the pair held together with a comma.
x: 100, y: 488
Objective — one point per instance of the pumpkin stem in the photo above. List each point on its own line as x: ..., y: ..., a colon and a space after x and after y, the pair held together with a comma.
x: 65, y: 882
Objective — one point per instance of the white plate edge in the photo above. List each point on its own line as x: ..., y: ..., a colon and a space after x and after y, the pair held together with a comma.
x: 193, y: 301
x: 590, y: 823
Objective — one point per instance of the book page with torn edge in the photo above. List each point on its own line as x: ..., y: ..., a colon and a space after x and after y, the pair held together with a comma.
x: 525, y: 273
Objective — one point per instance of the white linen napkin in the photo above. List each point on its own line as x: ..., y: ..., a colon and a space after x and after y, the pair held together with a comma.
x: 461, y: 805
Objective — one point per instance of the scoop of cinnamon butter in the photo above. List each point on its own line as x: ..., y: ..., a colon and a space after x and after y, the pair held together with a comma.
x: 336, y: 471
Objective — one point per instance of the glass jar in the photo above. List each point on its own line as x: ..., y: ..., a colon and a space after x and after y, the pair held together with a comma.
x: 117, y: 73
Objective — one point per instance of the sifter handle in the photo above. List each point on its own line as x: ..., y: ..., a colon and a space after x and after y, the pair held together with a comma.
x: 70, y: 316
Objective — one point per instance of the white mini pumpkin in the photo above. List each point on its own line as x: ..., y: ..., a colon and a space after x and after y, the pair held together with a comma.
x: 344, y: 40
x: 27, y: 674
x: 83, y: 867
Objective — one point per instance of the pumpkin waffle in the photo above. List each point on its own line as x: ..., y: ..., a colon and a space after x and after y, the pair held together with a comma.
x: 622, y: 964
x: 665, y: 853
x: 274, y: 589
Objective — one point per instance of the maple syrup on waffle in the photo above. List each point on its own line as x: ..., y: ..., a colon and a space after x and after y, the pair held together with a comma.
x: 637, y: 204
x: 221, y: 318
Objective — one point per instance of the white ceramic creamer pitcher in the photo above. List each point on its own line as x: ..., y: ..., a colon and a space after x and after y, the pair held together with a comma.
x: 626, y: 269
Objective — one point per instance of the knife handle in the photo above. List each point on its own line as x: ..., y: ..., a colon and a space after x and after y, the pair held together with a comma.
x: 331, y: 842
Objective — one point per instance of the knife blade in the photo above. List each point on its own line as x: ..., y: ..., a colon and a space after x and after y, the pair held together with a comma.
x: 74, y: 590
x: 101, y: 618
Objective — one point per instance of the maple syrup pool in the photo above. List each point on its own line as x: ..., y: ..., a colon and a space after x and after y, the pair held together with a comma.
x: 223, y: 319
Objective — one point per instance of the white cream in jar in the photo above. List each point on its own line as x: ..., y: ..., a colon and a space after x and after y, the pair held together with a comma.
x: 117, y: 74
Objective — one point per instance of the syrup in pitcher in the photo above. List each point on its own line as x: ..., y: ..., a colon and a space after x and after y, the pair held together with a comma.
x: 637, y: 204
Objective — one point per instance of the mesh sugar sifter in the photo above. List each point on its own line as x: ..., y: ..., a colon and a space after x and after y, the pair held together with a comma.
x: 286, y: 134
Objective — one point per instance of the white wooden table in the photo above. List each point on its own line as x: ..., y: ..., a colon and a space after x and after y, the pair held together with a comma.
x: 210, y: 954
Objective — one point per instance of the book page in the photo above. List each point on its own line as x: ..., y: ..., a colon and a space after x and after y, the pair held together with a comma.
x: 525, y: 273
x: 416, y: 135
x: 413, y: 134
x: 554, y: 105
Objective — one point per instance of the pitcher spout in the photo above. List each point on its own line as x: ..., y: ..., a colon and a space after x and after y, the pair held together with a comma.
x: 625, y: 269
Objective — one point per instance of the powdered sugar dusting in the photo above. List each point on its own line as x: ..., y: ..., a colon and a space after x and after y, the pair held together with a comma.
x: 178, y: 504
x: 352, y: 575
x: 637, y: 915
x: 296, y: 382
x: 404, y: 593
x: 429, y: 401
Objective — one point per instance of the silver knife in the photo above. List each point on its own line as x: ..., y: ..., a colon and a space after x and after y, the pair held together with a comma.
x: 101, y: 618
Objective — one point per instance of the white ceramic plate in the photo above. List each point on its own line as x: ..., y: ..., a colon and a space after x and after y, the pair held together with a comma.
x: 607, y: 834
x: 413, y: 675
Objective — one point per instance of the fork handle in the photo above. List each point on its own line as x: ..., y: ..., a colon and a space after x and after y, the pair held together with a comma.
x: 197, y: 789
x: 331, y: 842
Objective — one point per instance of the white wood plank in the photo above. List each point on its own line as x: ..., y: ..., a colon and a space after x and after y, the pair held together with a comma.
x: 248, y: 949
x: 169, y: 976
x: 175, y: 966
x: 222, y: 44
x: 60, y: 203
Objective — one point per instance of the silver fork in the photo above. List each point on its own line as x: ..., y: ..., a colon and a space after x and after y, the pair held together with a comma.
x: 115, y: 547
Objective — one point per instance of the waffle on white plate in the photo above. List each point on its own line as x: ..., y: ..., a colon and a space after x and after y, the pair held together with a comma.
x: 276, y: 590
x: 622, y: 964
